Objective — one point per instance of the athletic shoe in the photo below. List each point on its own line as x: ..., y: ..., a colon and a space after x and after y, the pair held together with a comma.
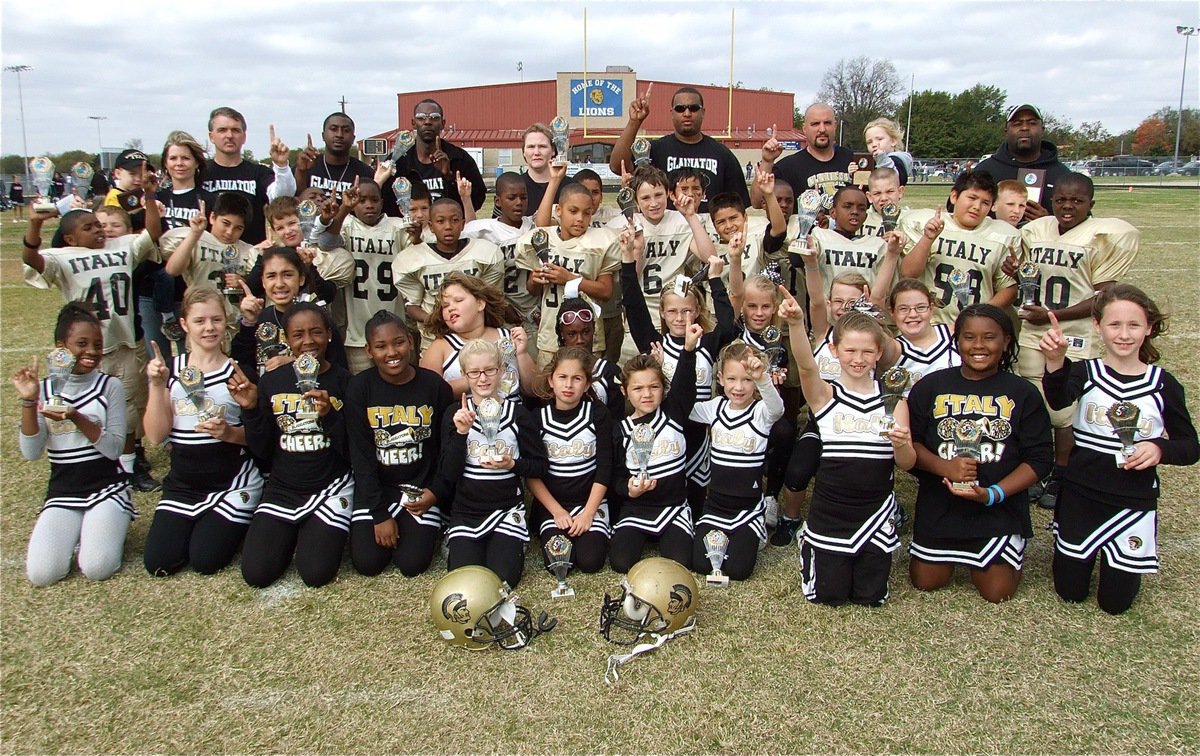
x: 1037, y: 489
x: 785, y: 531
x: 1049, y: 497
x: 902, y: 518
x: 772, y: 513
x: 143, y: 481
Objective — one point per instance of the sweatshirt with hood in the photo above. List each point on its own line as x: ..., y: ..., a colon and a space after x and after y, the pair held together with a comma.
x: 1003, y: 166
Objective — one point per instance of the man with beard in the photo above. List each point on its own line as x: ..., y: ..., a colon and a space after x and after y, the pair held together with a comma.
x: 228, y: 172
x: 821, y: 165
x: 434, y: 162
x: 332, y: 171
x: 688, y: 147
x: 1024, y: 148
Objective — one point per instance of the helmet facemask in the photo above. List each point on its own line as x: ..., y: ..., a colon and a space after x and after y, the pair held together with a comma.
x: 510, y: 625
x: 626, y: 619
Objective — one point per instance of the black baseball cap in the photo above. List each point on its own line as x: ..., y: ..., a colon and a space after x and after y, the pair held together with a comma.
x: 130, y: 159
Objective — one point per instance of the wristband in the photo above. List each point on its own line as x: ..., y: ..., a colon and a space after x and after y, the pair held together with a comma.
x: 995, y: 494
x: 991, y: 497
x: 29, y: 402
x: 25, y: 242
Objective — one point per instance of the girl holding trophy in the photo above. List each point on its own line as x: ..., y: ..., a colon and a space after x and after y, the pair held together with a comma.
x: 213, y: 486
x: 578, y: 434
x: 1131, y: 417
x: 394, y: 418
x: 982, y: 437
x: 76, y: 415
x: 294, y: 421
x: 490, y: 445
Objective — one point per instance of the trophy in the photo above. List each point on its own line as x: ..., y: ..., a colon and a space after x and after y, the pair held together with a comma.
x: 402, y: 188
x: 890, y: 213
x: 308, y: 212
x: 558, y: 559
x: 560, y: 129
x: 772, y: 339
x: 59, y: 363
x: 509, y: 379
x: 641, y: 152
x: 490, y: 413
x: 1124, y: 417
x: 192, y: 381
x: 641, y: 443
x: 43, y: 175
x: 405, y: 141
x: 684, y: 284
x: 410, y: 494
x: 1029, y: 280
x: 715, y: 544
x: 627, y: 202
x: 967, y: 440
x: 540, y: 241
x: 267, y: 338
x: 891, y: 386
x: 306, y: 366
x: 826, y: 201
x: 81, y: 178
x: 231, y: 264
x: 960, y: 283
x: 808, y: 206
x: 864, y: 305
x: 772, y: 273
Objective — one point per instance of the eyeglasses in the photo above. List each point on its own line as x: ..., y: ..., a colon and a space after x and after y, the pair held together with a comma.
x: 426, y: 117
x: 687, y: 108
x: 570, y: 316
x: 477, y: 374
x: 920, y: 309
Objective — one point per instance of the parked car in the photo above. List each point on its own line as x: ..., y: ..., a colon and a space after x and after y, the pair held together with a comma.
x: 1190, y: 169
x: 1123, y: 165
x: 1168, y: 167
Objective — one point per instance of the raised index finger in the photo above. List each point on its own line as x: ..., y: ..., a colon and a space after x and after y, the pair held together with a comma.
x: 157, y: 352
x: 1053, y: 320
x: 310, y: 144
x: 271, y: 132
x: 787, y: 294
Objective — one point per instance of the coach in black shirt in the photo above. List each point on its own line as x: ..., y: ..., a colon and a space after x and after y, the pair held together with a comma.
x: 821, y: 165
x: 688, y: 147
x: 1024, y: 147
x: 228, y: 172
x: 334, y: 169
x: 434, y: 161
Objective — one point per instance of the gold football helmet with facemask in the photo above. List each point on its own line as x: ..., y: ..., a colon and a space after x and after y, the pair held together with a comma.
x: 658, y: 598
x: 472, y: 607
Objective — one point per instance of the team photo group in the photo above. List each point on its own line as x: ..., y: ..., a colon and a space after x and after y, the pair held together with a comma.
x: 399, y: 360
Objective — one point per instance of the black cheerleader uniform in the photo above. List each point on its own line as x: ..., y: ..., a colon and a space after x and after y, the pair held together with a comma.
x: 308, y: 500
x: 1104, y: 510
x: 395, y: 434
x: 212, y: 489
x: 847, y: 542
x: 738, y: 445
x: 487, y: 519
x: 662, y: 513
x: 579, y: 449
x: 1015, y: 427
x: 641, y: 327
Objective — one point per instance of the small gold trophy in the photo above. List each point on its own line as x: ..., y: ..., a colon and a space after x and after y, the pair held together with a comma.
x: 1124, y: 418
x: 715, y: 545
x: 892, y: 383
x: 558, y: 559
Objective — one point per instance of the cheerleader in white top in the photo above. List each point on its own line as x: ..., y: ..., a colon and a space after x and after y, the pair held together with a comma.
x: 925, y: 347
x: 847, y: 543
x: 80, y: 421
x: 473, y: 309
x: 740, y: 424
x: 212, y: 489
x: 1131, y: 417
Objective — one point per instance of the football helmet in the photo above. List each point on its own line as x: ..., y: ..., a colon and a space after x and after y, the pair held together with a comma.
x: 658, y: 598
x: 473, y: 608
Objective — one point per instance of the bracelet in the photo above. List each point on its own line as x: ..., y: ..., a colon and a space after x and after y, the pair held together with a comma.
x: 29, y: 403
x: 991, y: 497
x: 25, y: 242
x: 995, y: 494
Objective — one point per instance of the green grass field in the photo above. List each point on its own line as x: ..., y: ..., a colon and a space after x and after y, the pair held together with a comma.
x: 207, y: 664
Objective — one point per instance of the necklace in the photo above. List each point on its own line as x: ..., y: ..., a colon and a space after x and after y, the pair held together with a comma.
x: 338, y: 184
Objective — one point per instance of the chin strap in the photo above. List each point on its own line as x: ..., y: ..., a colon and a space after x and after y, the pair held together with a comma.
x: 613, y: 673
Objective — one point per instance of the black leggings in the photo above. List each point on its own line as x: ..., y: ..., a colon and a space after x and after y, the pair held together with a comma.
x: 806, y: 458
x: 271, y: 544
x: 502, y: 554
x: 1115, y: 590
x: 208, y: 543
x: 779, y: 453
x: 415, y: 547
x: 740, y: 556
x: 587, y: 551
x: 833, y: 578
x: 627, y: 544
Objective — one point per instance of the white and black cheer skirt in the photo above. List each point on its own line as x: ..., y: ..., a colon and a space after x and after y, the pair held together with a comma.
x: 333, y: 504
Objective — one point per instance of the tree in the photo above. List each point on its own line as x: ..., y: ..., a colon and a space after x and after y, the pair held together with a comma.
x: 1092, y: 139
x: 945, y: 125
x: 858, y: 90
x: 248, y: 155
x: 1152, y: 137
x: 1189, y: 141
x: 797, y: 117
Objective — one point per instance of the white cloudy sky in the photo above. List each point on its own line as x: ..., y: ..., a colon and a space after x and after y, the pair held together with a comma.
x: 153, y: 67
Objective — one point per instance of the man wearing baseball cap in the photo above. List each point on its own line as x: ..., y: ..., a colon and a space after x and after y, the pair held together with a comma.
x: 1024, y: 156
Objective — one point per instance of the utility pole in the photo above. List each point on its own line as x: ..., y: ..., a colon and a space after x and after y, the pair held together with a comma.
x: 18, y: 70
x: 1188, y: 32
x: 99, y: 140
x: 342, y: 102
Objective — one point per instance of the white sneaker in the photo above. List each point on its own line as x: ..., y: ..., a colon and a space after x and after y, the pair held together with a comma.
x: 772, y: 513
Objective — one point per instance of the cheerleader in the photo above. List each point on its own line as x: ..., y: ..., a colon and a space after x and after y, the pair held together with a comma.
x: 261, y: 339
x: 87, y: 504
x: 847, y: 543
x: 983, y: 522
x: 740, y: 424
x: 473, y: 309
x: 925, y: 347
x: 577, y: 319
x: 578, y: 436
x: 655, y: 505
x: 680, y: 306
x: 306, y: 506
x: 487, y: 520
x: 213, y: 487
x: 394, y: 416
x: 1107, y: 511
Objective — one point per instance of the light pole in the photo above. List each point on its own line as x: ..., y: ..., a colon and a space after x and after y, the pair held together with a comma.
x: 18, y: 70
x: 99, y: 140
x: 1188, y: 32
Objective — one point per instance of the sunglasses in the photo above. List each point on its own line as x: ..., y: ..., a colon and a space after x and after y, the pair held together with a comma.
x: 570, y: 316
x: 687, y: 108
x: 426, y: 117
